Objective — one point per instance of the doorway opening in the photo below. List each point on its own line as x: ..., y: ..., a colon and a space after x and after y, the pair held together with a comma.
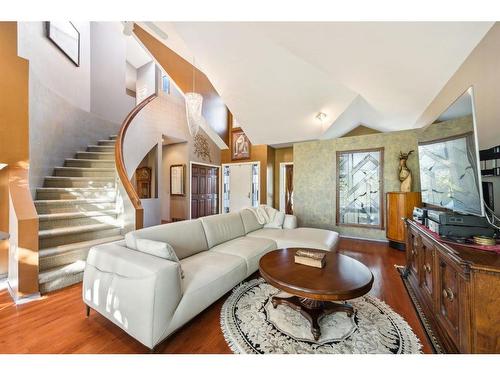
x: 145, y: 177
x: 241, y: 186
x: 286, y: 187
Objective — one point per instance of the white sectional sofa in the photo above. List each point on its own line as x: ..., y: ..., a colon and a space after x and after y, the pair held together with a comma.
x: 145, y: 294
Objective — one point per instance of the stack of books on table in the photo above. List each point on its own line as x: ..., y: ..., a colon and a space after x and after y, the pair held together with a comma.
x: 310, y: 258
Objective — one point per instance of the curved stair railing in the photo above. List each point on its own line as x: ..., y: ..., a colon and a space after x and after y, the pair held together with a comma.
x: 120, y: 163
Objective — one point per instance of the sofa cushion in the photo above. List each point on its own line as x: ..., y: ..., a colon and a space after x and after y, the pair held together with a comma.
x: 158, y: 249
x: 290, y: 222
x: 186, y: 237
x: 312, y: 238
x: 222, y: 228
x: 276, y: 219
x: 250, y: 222
x: 249, y: 248
x: 208, y: 276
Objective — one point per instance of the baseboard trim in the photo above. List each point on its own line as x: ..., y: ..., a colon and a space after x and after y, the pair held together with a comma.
x: 363, y: 239
x: 24, y: 299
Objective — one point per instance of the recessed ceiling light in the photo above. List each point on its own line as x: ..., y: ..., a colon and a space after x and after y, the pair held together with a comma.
x: 321, y: 116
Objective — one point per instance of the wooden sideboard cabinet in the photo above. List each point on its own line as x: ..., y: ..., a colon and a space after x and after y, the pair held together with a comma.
x: 456, y: 289
x: 399, y: 207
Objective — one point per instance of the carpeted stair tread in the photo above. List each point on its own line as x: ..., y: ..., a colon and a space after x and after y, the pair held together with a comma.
x: 74, y: 230
x: 97, y: 178
x: 106, y: 142
x: 89, y: 180
x: 85, y: 169
x: 72, y: 189
x: 73, y: 218
x: 73, y: 193
x: 57, y: 250
x: 61, y: 282
x: 65, y: 202
x: 104, y: 161
x: 98, y: 148
x: 113, y: 137
x: 96, y: 155
x: 84, y: 172
x: 61, y: 271
x: 89, y: 163
x: 75, y: 215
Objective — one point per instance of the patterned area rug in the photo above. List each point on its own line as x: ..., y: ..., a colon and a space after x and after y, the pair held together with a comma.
x: 251, y: 325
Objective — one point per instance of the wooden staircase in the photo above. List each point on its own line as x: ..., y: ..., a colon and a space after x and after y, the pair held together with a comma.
x: 77, y: 210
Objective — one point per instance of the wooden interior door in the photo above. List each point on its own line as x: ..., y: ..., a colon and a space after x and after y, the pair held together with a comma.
x: 204, y: 191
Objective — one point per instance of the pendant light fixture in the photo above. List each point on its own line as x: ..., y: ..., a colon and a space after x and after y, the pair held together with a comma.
x: 194, y: 103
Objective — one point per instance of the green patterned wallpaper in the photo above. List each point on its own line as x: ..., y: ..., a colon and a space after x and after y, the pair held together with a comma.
x: 315, y: 172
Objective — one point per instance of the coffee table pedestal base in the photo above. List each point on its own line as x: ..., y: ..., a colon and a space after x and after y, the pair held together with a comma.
x: 313, y: 310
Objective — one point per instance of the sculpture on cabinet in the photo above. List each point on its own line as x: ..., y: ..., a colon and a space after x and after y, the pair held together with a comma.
x: 404, y: 172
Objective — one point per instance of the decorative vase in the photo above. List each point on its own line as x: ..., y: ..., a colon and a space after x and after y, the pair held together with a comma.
x: 404, y: 172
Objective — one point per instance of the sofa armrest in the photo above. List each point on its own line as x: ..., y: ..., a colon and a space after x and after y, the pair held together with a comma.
x: 290, y: 222
x: 136, y: 291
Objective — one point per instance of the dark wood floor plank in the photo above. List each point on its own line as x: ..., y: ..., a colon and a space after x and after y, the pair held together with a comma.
x: 57, y: 323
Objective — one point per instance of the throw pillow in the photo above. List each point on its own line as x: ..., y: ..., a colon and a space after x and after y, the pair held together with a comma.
x: 276, y: 218
x: 159, y: 249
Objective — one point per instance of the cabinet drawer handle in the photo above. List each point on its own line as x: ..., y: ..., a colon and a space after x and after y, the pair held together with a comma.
x: 448, y: 293
x: 427, y: 268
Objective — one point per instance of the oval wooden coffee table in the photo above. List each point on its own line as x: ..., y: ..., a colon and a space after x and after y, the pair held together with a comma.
x: 315, y: 290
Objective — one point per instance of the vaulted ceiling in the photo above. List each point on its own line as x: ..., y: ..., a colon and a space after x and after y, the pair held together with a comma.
x: 275, y: 77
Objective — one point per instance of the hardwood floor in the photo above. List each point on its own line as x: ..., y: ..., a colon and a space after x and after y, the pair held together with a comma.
x: 57, y: 323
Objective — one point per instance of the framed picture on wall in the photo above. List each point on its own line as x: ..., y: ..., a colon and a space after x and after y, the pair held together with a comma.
x: 66, y: 37
x: 240, y: 145
x: 177, y: 179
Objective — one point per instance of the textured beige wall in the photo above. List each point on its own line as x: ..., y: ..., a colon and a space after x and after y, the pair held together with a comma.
x: 445, y: 129
x: 315, y: 171
x: 315, y: 176
x: 361, y: 130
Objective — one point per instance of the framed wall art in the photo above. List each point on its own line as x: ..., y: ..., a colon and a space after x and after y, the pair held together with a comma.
x: 66, y: 37
x: 177, y: 179
x: 240, y: 145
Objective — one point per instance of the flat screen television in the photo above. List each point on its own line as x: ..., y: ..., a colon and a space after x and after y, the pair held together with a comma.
x: 449, y: 175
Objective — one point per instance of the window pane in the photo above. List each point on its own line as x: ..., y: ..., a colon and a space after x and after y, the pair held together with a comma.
x: 360, y: 188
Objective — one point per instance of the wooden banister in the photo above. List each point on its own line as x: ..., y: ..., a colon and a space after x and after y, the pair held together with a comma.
x: 120, y: 163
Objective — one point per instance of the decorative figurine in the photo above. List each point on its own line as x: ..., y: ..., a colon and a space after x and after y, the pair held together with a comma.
x: 404, y: 172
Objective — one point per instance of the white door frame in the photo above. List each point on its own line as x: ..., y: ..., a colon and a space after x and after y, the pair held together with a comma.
x: 219, y: 188
x: 282, y: 184
x: 243, y: 163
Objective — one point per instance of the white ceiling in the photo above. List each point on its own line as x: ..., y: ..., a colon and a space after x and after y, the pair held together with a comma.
x: 275, y: 77
x: 135, y: 53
